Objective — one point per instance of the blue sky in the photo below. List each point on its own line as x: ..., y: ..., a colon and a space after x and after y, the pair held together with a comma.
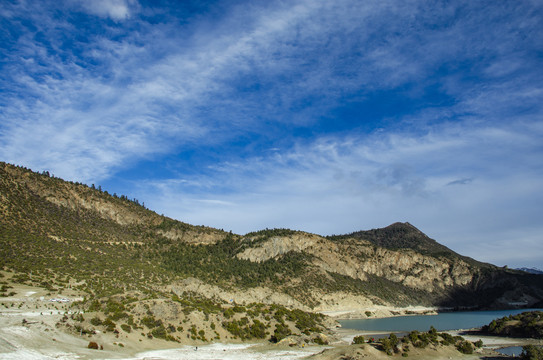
x: 323, y: 116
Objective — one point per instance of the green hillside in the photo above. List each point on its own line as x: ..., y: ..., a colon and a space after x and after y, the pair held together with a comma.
x: 47, y: 242
x: 118, y: 256
x: 526, y: 325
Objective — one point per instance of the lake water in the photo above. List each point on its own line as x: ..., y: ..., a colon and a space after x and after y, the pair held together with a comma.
x: 510, y: 350
x: 442, y: 321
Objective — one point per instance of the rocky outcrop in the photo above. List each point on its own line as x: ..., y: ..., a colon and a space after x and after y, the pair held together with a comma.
x: 358, y: 259
x: 279, y: 245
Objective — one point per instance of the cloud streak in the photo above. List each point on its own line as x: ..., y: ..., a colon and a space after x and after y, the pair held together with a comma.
x: 376, y: 111
x: 114, y: 9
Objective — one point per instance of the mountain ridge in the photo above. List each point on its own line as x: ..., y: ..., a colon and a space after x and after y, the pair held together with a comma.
x: 531, y: 270
x: 406, y: 236
x: 71, y: 237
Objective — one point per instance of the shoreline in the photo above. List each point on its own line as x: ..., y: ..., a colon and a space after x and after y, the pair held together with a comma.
x: 378, y: 312
x: 381, y: 312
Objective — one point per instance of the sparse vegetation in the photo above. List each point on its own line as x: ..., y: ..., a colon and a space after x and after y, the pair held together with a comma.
x: 531, y: 352
x: 465, y: 347
x: 358, y: 340
x: 526, y: 324
x: 393, y: 345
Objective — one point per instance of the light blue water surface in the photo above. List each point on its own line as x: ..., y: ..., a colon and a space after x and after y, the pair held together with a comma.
x: 442, y: 321
x: 510, y: 350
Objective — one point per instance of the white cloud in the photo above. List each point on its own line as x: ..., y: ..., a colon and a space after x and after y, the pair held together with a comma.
x: 160, y: 91
x: 114, y: 9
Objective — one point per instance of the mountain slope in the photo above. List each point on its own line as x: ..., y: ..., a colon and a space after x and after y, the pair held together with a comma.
x: 61, y: 234
x: 399, y: 265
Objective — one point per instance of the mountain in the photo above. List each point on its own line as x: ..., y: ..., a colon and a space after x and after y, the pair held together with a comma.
x: 112, y: 251
x: 400, y: 236
x: 531, y: 270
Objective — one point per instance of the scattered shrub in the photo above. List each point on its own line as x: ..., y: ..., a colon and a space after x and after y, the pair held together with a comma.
x: 109, y: 324
x: 94, y: 306
x: 465, y: 347
x: 358, y: 339
x: 531, y: 352
x: 281, y: 332
x: 159, y: 332
x: 320, y: 341
x: 96, y: 321
x: 151, y: 322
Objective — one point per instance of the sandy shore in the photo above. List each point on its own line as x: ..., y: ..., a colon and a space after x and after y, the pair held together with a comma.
x: 378, y: 311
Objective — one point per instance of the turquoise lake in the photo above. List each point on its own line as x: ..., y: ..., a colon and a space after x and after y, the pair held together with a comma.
x: 442, y: 321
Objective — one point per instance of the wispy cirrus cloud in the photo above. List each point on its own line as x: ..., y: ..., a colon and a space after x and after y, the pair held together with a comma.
x: 281, y: 64
x: 114, y: 9
x: 330, y: 115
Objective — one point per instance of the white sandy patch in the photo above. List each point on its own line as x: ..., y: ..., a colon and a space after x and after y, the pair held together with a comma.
x: 347, y: 335
x: 19, y: 331
x: 34, y: 313
x: 29, y: 293
x: 491, y: 342
x: 225, y: 352
x: 24, y: 354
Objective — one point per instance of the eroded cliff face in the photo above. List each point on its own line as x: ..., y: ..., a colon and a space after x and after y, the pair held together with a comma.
x: 338, y: 304
x: 358, y: 259
x: 279, y: 245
